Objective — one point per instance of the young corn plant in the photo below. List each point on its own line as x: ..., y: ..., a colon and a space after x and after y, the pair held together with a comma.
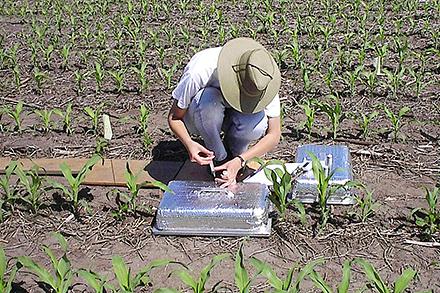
x: 45, y: 117
x: 66, y: 117
x: 95, y: 281
x: 6, y: 282
x: 127, y: 282
x: 343, y: 286
x: 241, y: 275
x: 142, y: 76
x: 79, y: 78
x: 419, y: 81
x: 400, y: 284
x: 351, y: 77
x: 334, y: 113
x: 8, y: 190
x: 32, y: 187
x: 366, y: 205
x: 289, y: 284
x: 72, y: 190
x: 428, y: 220
x: 325, y: 190
x: 282, y: 185
x: 40, y: 77
x: 168, y: 75
x: 395, y: 80
x: 59, y: 279
x: 127, y: 201
x: 396, y: 119
x: 15, y: 114
x: 364, y: 122
x: 198, y: 284
x: 310, y: 107
x: 94, y: 115
x: 118, y: 78
x: 99, y: 76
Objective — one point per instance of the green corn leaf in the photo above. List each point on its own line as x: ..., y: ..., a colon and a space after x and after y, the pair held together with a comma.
x: 372, y: 275
x: 403, y: 281
x: 241, y: 276
x: 166, y: 290
x: 288, y: 280
x: 58, y: 185
x: 3, y: 264
x: 206, y: 271
x: 162, y: 186
x: 346, y: 274
x: 143, y: 274
x: 51, y: 255
x: 187, y: 279
x: 268, y: 273
x: 95, y: 281
x: 305, y: 271
x: 43, y: 274
x: 86, y: 168
x: 122, y: 272
x: 319, y: 282
x: 8, y: 287
x: 61, y: 240
x: 67, y: 173
x: 403, y: 111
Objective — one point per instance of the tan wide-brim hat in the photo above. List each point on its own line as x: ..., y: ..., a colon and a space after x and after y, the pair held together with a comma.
x: 249, y: 76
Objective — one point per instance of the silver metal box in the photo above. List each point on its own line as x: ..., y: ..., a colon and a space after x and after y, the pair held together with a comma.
x: 202, y: 208
x: 331, y: 157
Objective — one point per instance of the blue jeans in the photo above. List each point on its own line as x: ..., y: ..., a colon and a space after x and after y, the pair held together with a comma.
x: 209, y: 114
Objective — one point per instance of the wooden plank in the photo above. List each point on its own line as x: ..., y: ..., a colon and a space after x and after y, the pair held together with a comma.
x: 4, y: 162
x: 101, y: 174
x: 163, y: 171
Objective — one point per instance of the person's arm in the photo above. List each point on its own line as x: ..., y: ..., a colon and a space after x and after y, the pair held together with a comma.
x: 197, y: 153
x: 264, y: 145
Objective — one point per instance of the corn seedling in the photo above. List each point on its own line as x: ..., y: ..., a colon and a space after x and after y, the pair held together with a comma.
x: 60, y: 277
x: 65, y: 53
x: 351, y: 77
x: 281, y: 187
x: 101, y: 145
x: 6, y: 282
x: 32, y: 187
x: 142, y: 76
x: 79, y: 78
x: 198, y: 284
x: 9, y: 191
x: 333, y: 112
x: 118, y: 78
x: 419, y: 77
x: 17, y: 77
x: 289, y: 284
x: 242, y: 280
x: 326, y: 288
x: 95, y: 281
x: 305, y: 78
x: 46, y: 121
x: 65, y: 116
x: 365, y: 204
x: 370, y: 80
x: 395, y: 80
x: 325, y: 190
x: 377, y: 283
x: 144, y: 114
x: 396, y: 120
x: 94, y: 115
x: 168, y: 75
x: 128, y: 282
x: 310, y: 107
x: 40, y: 77
x: 127, y: 200
x: 99, y: 76
x: 72, y: 190
x: 364, y: 121
x: 15, y: 114
x: 428, y: 220
x: 48, y: 54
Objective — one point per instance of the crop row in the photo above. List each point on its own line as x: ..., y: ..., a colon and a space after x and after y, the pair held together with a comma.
x: 346, y: 47
x: 332, y: 109
x: 29, y: 192
x: 59, y: 277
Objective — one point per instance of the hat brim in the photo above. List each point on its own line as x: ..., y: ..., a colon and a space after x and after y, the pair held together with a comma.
x: 229, y: 57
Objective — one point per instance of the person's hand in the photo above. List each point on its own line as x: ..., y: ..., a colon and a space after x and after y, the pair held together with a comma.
x: 228, y: 172
x: 199, y: 154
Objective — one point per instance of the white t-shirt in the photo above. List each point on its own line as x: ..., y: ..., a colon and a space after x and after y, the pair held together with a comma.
x: 201, y: 72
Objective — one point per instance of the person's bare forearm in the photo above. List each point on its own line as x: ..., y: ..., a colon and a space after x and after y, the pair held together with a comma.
x: 266, y: 144
x: 179, y: 129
